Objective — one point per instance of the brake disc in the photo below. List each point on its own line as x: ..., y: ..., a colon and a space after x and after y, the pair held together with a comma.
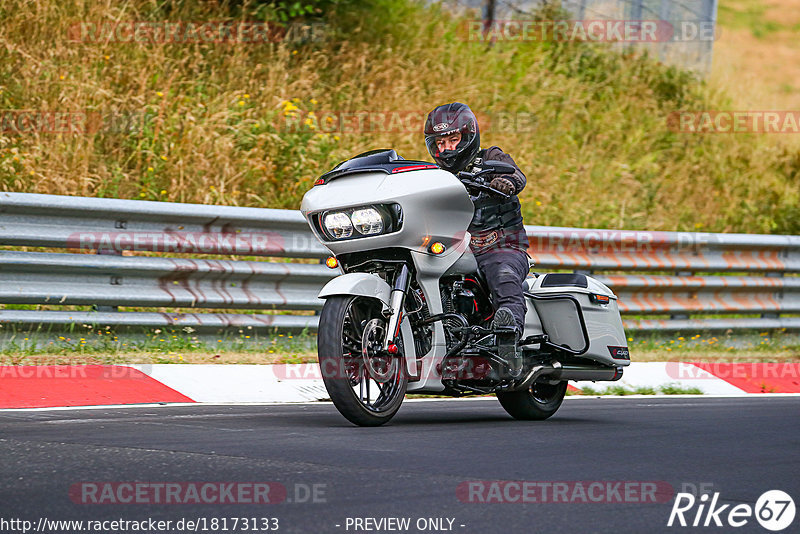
x: 379, y: 365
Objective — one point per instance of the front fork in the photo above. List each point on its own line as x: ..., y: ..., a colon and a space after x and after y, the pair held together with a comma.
x: 396, y: 301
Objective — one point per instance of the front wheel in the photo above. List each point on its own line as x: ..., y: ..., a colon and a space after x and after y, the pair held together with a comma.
x: 536, y: 403
x: 366, y: 384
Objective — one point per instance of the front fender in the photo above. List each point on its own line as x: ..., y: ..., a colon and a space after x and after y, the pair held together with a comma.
x: 371, y: 285
x: 361, y: 284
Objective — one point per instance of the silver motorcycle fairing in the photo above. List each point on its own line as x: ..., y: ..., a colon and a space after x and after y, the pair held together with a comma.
x: 441, y: 214
x: 429, y: 270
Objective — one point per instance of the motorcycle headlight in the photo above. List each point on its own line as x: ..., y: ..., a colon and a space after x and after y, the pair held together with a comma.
x: 367, y: 221
x: 354, y: 223
x: 338, y: 225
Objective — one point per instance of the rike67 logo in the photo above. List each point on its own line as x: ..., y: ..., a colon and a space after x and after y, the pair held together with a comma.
x: 774, y: 510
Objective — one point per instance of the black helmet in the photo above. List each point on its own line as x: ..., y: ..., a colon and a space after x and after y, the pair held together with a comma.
x: 449, y: 119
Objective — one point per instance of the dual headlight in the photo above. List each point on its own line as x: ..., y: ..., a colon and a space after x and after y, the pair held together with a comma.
x: 361, y: 222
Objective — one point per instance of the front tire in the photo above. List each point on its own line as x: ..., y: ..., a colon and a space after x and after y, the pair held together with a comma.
x: 365, y: 385
x: 536, y: 403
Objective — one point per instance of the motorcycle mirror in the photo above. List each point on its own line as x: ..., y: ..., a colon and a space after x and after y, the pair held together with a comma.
x: 498, y: 167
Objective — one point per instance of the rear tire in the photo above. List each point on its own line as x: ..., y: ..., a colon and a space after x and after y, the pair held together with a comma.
x: 367, y: 387
x: 536, y: 403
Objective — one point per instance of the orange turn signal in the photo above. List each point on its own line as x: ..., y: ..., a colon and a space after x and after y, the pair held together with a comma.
x: 332, y: 262
x: 437, y: 248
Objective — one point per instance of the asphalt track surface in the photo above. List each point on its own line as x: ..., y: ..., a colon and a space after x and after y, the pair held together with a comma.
x: 410, y: 468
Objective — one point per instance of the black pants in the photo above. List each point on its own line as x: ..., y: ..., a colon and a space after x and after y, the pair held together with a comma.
x: 504, y: 270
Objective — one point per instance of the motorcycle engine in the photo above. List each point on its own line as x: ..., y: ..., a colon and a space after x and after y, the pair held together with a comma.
x: 464, y: 300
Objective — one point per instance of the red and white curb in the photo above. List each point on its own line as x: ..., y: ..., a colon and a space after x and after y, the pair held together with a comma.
x: 93, y: 385
x: 712, y: 378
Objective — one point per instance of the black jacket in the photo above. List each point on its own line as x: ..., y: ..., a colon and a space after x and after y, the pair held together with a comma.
x: 497, y: 222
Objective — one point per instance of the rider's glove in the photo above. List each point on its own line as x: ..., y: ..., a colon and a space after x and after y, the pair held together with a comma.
x: 504, y: 185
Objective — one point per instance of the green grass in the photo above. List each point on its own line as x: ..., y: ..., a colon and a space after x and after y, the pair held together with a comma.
x: 674, y: 389
x: 731, y: 346
x: 599, y: 154
x: 618, y: 390
x: 98, y: 344
x: 750, y: 15
x: 89, y: 345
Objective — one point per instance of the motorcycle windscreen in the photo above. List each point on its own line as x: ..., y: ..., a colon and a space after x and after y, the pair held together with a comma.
x: 562, y: 321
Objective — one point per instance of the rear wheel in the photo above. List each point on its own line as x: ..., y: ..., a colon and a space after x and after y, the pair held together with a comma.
x: 366, y: 384
x: 536, y: 403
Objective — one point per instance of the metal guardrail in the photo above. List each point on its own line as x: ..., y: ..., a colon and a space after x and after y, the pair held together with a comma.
x: 620, y: 250
x: 83, y: 279
x: 665, y: 283
x: 116, y: 225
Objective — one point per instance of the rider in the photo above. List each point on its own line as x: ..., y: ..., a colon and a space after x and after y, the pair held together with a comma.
x: 498, y: 242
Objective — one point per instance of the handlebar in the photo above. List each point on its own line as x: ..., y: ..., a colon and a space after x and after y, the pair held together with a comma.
x: 467, y: 179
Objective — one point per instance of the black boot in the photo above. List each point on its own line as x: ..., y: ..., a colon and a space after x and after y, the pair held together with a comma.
x: 507, y: 336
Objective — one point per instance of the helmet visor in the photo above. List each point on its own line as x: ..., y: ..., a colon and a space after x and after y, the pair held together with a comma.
x: 446, y: 157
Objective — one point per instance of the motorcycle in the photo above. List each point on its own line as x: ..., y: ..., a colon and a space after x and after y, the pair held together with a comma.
x: 411, y: 313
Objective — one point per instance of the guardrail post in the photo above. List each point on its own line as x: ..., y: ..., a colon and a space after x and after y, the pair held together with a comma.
x: 682, y: 316
x: 114, y: 280
x: 778, y: 296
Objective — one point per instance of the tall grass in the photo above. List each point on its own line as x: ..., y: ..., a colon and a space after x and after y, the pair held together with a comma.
x: 600, y: 154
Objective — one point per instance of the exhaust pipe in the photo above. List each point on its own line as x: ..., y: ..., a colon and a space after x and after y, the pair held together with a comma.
x: 586, y: 372
x: 557, y: 371
x: 537, y: 371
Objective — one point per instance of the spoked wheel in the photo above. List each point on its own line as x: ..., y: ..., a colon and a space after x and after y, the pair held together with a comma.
x: 366, y: 384
x: 536, y: 403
